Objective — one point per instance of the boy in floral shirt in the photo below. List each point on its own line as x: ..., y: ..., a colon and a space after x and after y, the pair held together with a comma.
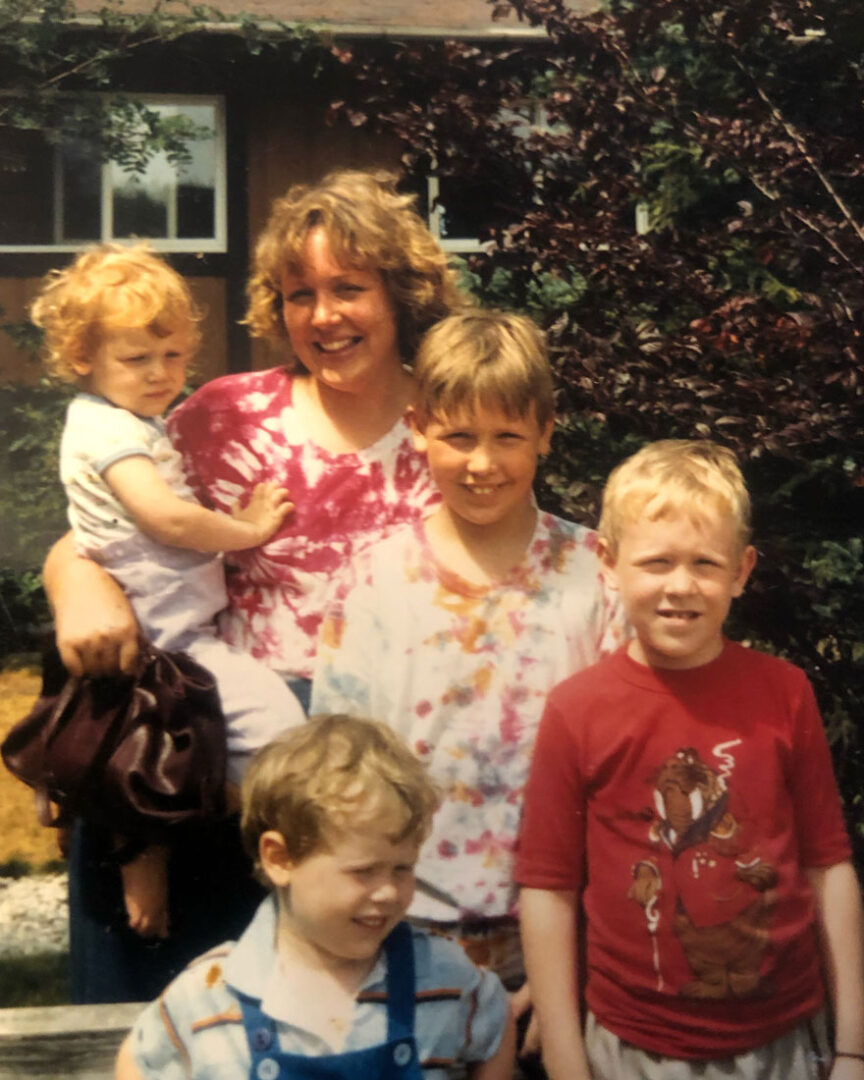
x: 453, y: 630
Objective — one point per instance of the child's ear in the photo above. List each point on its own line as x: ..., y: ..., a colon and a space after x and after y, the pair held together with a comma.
x: 416, y: 431
x: 82, y: 367
x: 608, y: 564
x: 275, y: 860
x: 745, y: 569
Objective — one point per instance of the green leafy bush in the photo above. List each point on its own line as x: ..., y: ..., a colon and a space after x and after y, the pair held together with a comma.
x: 40, y: 979
x: 673, y: 188
x: 32, y: 506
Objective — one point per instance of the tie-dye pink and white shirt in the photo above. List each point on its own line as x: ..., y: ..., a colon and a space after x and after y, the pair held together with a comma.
x: 461, y: 671
x: 239, y: 430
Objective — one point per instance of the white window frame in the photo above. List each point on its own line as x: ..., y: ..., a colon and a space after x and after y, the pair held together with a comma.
x: 216, y: 243
x: 536, y: 120
x: 458, y: 245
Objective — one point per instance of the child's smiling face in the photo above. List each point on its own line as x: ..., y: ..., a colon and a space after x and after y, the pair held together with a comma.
x: 339, y: 903
x: 677, y: 575
x: 483, y: 462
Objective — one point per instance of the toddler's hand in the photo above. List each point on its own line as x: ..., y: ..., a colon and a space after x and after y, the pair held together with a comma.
x: 267, y: 508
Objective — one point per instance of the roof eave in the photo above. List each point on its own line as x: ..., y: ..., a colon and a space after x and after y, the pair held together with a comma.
x: 360, y: 30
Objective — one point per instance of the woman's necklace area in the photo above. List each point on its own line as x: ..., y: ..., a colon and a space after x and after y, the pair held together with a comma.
x: 341, y: 422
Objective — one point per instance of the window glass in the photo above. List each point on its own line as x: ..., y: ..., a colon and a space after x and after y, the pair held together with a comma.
x: 81, y: 194
x: 454, y: 210
x: 26, y: 189
x: 63, y: 197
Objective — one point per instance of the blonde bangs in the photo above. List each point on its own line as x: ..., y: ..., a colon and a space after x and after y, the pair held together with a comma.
x: 675, y: 477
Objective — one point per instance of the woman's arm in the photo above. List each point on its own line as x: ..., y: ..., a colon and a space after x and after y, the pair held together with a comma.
x: 97, y: 633
x: 549, y: 941
x: 164, y: 516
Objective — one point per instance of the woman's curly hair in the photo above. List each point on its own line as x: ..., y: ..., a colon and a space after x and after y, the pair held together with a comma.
x: 110, y: 287
x: 370, y: 226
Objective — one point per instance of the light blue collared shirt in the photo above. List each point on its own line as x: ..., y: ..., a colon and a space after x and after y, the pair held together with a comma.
x: 195, y: 1029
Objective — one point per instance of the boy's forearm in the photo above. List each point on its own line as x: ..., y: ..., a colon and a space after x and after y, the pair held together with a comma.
x: 838, y: 900
x: 549, y: 941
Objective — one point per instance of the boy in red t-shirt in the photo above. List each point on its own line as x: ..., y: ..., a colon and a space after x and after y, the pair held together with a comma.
x: 683, y: 786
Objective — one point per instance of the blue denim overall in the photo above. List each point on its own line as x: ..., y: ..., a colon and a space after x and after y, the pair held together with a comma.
x: 395, y: 1059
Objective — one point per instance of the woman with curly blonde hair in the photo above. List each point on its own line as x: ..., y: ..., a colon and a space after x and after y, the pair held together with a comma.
x: 346, y: 275
x: 387, y: 237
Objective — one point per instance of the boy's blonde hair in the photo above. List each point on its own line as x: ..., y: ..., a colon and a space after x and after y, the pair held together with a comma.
x: 371, y: 227
x: 482, y: 357
x: 674, y: 476
x: 110, y: 288
x: 332, y: 773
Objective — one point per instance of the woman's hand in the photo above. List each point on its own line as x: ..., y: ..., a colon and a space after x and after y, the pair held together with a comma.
x: 97, y: 633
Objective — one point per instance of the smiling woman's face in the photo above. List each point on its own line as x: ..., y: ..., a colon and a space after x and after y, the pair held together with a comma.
x: 340, y: 320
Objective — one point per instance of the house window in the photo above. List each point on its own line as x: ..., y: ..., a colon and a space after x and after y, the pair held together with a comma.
x: 60, y: 198
x: 456, y: 209
x: 453, y: 210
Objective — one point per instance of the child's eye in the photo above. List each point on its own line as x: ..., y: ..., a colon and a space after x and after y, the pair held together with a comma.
x: 510, y: 436
x: 349, y: 288
x: 135, y: 359
x: 363, y: 871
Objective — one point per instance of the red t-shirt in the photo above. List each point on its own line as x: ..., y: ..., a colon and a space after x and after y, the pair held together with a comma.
x: 694, y: 800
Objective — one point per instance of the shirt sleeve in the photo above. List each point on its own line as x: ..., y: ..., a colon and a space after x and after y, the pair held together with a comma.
x: 485, y: 1016
x: 103, y: 435
x: 225, y: 434
x: 551, y: 845
x: 820, y: 828
x: 469, y: 1029
x: 157, y: 1047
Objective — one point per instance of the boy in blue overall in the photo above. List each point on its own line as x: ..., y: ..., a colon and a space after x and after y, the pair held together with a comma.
x: 328, y: 981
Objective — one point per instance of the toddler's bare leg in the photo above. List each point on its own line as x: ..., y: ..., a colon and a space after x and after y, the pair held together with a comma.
x: 145, y: 891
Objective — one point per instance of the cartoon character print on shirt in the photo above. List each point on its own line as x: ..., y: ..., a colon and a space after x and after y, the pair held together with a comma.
x: 722, y: 892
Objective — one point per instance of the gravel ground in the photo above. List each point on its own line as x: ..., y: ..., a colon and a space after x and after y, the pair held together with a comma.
x: 33, y: 915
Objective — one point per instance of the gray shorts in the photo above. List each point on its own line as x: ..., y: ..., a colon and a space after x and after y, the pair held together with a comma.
x: 800, y: 1054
